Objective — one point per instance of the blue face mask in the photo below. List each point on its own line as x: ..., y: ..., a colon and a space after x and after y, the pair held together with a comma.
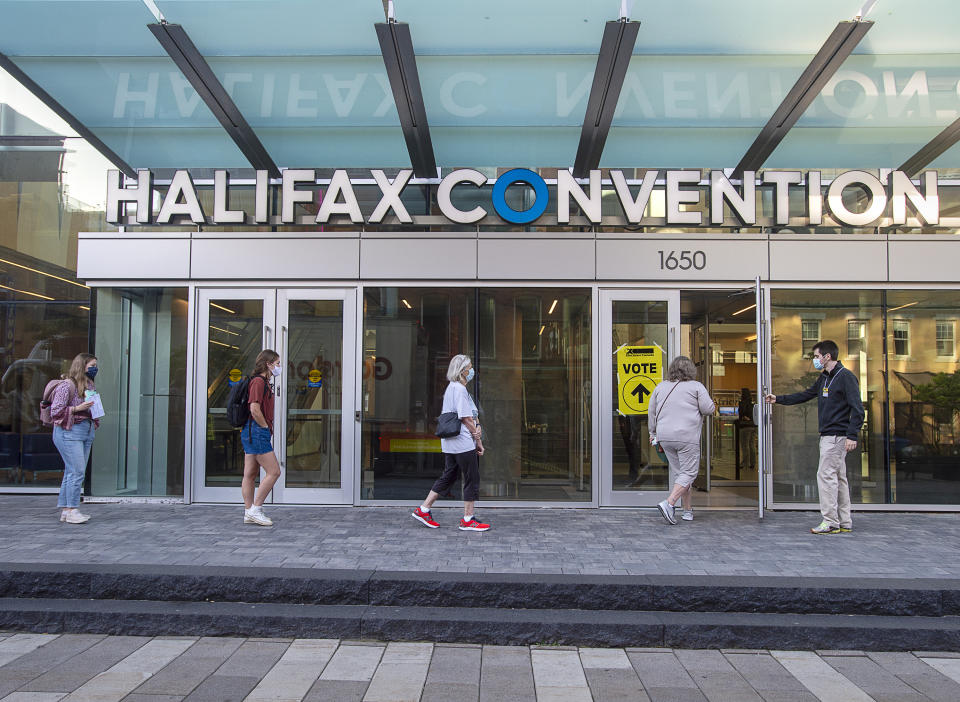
x: 818, y: 364
x: 92, y: 372
x: 470, y: 375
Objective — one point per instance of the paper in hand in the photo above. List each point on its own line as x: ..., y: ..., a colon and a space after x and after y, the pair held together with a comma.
x: 96, y: 409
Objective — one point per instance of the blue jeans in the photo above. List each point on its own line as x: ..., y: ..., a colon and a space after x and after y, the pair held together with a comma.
x: 74, y: 447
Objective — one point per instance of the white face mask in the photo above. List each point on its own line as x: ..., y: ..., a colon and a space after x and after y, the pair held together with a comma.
x: 276, y: 371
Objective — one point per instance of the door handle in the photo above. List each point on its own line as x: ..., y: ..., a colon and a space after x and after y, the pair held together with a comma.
x: 281, y: 350
x: 267, y: 336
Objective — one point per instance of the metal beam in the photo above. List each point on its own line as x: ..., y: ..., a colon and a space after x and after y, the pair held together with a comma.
x: 396, y: 46
x: 933, y: 148
x: 842, y: 41
x: 613, y: 60
x: 175, y: 41
x: 64, y: 114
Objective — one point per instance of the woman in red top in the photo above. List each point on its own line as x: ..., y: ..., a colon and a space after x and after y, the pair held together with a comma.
x: 73, y: 431
x: 256, y: 437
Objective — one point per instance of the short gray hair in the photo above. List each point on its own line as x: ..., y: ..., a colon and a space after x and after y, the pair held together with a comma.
x: 681, y: 368
x: 457, y: 364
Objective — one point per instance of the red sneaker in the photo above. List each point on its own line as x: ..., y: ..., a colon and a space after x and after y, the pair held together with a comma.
x: 473, y: 525
x: 424, y: 518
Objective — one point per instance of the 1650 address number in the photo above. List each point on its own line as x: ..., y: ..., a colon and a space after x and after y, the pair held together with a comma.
x: 670, y: 261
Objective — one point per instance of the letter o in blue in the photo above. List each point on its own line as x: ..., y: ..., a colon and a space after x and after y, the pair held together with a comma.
x: 520, y: 175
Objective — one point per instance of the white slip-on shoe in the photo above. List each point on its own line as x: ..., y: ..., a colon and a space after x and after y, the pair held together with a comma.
x: 255, y: 515
x: 73, y: 516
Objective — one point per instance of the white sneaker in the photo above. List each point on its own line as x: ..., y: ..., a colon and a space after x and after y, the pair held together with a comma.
x: 667, y: 511
x: 255, y: 515
x: 687, y: 515
x: 73, y: 516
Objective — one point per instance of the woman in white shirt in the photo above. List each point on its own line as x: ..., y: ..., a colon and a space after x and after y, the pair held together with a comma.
x: 461, y: 453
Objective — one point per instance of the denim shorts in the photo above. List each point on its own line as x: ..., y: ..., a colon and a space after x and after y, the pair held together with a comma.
x: 256, y: 439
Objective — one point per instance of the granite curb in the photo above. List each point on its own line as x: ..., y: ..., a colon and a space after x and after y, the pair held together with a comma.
x: 344, y: 587
x: 485, y: 625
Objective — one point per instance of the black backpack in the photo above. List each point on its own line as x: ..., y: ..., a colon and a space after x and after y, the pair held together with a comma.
x: 238, y: 402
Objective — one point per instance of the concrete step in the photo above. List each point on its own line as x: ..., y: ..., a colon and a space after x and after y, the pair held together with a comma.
x: 743, y: 594
x: 484, y: 625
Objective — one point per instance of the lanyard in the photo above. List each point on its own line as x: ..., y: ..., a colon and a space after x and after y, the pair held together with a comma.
x: 826, y: 386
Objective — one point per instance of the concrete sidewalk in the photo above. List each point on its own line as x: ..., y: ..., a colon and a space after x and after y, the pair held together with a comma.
x: 585, y: 542
x: 169, y: 669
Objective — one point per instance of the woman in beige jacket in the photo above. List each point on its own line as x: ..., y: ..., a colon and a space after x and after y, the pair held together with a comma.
x: 677, y: 408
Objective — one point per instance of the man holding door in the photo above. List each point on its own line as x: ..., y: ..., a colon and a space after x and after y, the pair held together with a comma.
x: 840, y: 416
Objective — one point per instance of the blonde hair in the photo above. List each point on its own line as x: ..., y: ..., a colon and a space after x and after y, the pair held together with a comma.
x: 681, y: 368
x: 457, y: 364
x: 78, y: 371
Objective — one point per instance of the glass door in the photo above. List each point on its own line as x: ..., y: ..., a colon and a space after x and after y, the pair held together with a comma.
x: 313, y: 331
x: 316, y: 414
x: 639, y: 334
x: 233, y: 326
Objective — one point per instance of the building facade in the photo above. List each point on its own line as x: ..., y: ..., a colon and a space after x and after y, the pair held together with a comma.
x: 367, y: 275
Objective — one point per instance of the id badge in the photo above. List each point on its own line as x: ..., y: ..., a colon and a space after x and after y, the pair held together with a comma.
x: 826, y: 391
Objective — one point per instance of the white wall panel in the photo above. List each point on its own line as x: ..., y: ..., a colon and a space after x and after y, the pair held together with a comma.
x: 537, y: 259
x: 829, y: 259
x: 924, y: 260
x: 418, y: 258
x: 100, y: 258
x: 275, y: 258
x: 682, y: 258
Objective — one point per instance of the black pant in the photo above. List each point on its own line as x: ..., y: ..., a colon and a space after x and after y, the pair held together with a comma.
x: 454, y: 464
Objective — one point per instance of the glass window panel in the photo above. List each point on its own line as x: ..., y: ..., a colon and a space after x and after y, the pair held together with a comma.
x: 264, y: 28
x: 141, y: 346
x: 528, y: 331
x: 809, y: 335
x: 945, y: 337
x: 925, y: 401
x: 314, y: 393
x: 856, y: 338
x: 901, y: 337
x: 635, y: 465
x: 41, y: 339
x: 534, y: 403
x: 795, y: 428
x: 409, y: 336
x: 235, y: 337
x: 534, y: 397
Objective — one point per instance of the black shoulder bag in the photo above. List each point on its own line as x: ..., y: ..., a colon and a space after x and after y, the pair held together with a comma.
x: 448, y: 423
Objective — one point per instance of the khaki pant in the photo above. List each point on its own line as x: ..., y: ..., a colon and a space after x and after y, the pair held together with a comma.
x: 832, y: 481
x: 684, y: 460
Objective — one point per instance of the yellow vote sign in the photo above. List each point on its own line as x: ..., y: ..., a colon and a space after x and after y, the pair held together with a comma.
x: 639, y: 370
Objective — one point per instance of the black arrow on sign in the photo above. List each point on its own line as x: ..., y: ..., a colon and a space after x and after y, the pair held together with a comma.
x: 641, y: 393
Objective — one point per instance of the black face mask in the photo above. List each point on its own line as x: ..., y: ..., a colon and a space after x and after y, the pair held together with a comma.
x: 92, y: 372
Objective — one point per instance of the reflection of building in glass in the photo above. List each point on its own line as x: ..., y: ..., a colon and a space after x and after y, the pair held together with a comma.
x: 901, y: 378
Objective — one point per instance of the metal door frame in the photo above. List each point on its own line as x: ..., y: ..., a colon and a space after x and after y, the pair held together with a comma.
x: 344, y: 495
x: 607, y: 495
x: 762, y: 410
x: 202, y: 492
x: 275, y: 319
